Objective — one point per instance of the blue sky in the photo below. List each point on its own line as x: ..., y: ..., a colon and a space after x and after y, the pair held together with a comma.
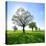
x: 37, y: 10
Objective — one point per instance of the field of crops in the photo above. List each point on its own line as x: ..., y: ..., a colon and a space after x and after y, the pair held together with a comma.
x: 18, y: 37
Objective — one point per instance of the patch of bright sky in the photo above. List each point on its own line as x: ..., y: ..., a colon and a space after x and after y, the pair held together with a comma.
x: 36, y: 10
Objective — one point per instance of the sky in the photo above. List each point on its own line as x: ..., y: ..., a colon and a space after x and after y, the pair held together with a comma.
x: 37, y: 10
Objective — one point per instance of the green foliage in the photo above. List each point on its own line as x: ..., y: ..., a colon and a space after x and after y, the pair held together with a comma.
x: 19, y: 37
x: 22, y: 18
x: 33, y: 25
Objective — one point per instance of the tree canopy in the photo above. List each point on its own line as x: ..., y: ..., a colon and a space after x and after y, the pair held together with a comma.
x: 22, y: 17
x: 33, y: 25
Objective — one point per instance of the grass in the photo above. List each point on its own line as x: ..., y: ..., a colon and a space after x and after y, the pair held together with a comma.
x: 18, y: 37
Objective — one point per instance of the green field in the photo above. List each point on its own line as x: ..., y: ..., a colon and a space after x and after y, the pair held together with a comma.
x: 18, y: 37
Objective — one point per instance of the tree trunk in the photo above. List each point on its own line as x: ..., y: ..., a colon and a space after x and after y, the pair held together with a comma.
x: 36, y: 28
x: 32, y: 28
x: 23, y: 29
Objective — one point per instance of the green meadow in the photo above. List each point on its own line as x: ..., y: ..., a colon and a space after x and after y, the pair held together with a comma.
x: 18, y: 37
